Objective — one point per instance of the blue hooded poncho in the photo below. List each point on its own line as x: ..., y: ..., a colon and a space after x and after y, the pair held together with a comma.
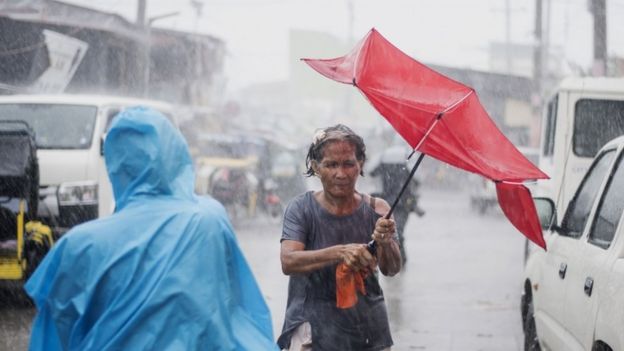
x: 164, y: 272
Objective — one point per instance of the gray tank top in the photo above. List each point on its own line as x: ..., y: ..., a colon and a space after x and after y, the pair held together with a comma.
x: 312, y: 297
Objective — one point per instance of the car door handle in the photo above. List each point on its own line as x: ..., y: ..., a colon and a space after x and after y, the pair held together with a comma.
x: 589, y: 284
x: 562, y: 270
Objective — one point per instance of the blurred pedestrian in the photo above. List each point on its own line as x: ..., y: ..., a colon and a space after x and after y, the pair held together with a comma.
x: 393, y: 173
x: 324, y: 233
x: 164, y: 272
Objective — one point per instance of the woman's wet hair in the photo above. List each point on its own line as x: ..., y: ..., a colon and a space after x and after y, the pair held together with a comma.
x: 323, y: 137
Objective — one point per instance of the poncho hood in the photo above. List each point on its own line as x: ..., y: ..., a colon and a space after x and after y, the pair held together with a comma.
x: 146, y: 155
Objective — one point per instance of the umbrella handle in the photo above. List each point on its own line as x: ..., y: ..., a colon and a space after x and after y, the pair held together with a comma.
x: 372, y: 245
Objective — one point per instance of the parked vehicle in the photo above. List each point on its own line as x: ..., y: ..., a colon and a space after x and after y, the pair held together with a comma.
x: 69, y: 132
x: 482, y: 194
x: 271, y: 203
x: 582, y: 115
x: 24, y: 240
x: 573, y: 296
x: 483, y: 191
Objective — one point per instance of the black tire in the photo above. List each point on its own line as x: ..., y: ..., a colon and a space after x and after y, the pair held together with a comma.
x: 35, y: 253
x: 600, y: 346
x: 531, y: 342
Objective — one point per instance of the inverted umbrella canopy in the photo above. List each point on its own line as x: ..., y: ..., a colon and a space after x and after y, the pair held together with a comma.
x: 441, y: 118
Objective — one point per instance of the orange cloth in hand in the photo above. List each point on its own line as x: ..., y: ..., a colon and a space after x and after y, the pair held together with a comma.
x: 348, y: 282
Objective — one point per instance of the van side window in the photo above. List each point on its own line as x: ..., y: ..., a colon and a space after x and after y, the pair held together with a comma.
x: 610, y: 210
x: 551, y: 122
x: 578, y: 210
x: 595, y: 123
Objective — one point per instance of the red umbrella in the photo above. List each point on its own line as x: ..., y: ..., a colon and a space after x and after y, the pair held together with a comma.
x: 442, y: 118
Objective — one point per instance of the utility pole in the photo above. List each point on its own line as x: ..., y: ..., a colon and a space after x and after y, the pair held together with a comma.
x: 538, y: 69
x: 508, y: 37
x: 148, y: 50
x: 145, y: 48
x: 196, y: 93
x: 598, y: 9
x: 537, y: 95
x: 141, y: 10
x: 351, y: 21
x: 348, y: 103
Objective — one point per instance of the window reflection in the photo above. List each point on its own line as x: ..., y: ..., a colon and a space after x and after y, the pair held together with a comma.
x: 56, y: 126
x: 579, y: 208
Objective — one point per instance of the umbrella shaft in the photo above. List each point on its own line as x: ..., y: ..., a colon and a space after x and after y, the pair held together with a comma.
x: 372, y: 245
x: 405, y: 185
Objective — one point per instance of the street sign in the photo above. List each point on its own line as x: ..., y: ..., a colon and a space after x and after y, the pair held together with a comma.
x: 65, y: 54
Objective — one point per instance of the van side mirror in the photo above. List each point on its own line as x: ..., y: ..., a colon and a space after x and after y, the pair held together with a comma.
x: 546, y: 212
x: 102, y: 145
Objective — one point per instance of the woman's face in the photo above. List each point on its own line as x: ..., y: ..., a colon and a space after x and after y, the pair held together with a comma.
x: 339, y: 169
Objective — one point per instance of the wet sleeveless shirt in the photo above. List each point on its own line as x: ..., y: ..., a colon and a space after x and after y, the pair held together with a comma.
x: 312, y: 297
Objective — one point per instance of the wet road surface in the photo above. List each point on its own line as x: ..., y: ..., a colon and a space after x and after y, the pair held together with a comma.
x: 16, y: 314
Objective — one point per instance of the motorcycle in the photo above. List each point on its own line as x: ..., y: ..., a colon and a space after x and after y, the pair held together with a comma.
x: 271, y: 202
x: 234, y: 188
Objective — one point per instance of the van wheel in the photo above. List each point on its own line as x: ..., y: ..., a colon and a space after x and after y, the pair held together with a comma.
x: 600, y: 346
x: 531, y: 343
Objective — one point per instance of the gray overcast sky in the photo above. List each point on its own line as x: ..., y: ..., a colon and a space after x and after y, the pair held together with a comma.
x: 448, y: 32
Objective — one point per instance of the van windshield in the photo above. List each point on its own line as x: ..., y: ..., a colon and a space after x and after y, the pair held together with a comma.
x: 595, y: 123
x: 56, y: 126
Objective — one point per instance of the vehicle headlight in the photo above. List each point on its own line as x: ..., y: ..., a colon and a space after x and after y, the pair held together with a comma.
x: 78, y: 193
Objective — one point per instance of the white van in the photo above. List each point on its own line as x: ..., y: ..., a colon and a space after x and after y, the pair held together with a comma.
x: 582, y: 116
x: 69, y: 132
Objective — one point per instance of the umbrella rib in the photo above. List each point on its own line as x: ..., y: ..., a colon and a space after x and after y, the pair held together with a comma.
x: 509, y: 182
x: 422, y: 140
x: 356, y: 62
x: 438, y: 118
x: 457, y: 102
x: 380, y: 92
x: 467, y: 154
x: 435, y: 122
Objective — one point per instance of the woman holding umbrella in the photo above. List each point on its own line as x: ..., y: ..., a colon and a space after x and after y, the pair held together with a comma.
x: 324, y: 235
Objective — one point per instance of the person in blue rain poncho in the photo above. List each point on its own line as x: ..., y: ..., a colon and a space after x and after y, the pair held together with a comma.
x: 164, y: 272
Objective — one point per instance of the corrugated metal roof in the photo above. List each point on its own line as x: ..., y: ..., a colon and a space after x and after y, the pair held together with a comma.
x: 60, y: 13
